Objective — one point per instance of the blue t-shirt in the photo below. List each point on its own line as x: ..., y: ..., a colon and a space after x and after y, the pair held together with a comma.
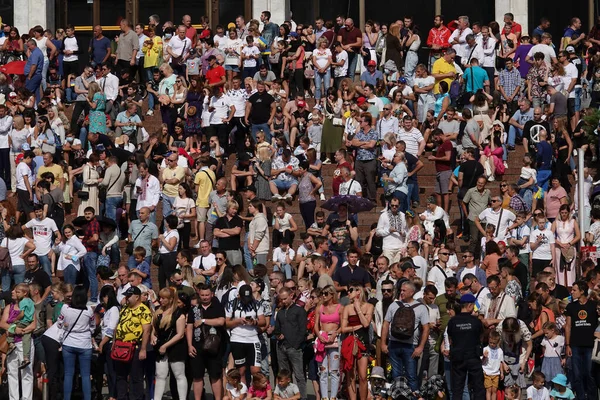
x: 372, y: 79
x: 544, y: 155
x: 145, y: 268
x: 123, y: 118
x: 36, y: 58
x: 475, y: 78
x: 99, y: 48
x: 568, y: 394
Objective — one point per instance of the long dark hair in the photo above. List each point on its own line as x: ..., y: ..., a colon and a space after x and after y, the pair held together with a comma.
x: 79, y: 298
x: 111, y: 301
x: 226, y: 278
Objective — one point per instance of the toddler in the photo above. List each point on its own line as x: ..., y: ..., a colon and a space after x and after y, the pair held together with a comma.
x: 561, y: 391
x: 261, y: 388
x: 142, y: 268
x: 538, y: 389
x: 235, y: 388
x: 492, y: 365
x: 285, y: 389
x: 25, y: 317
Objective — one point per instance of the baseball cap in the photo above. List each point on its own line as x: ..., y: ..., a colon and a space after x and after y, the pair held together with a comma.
x: 245, y: 294
x: 198, y: 280
x: 301, y: 103
x: 371, y: 63
x: 294, y: 34
x: 133, y: 290
x: 570, y: 49
x: 402, y: 80
x: 408, y: 265
x: 361, y: 100
x: 467, y: 298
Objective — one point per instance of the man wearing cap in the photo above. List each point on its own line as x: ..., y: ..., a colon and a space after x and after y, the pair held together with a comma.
x: 371, y: 76
x: 260, y: 110
x: 392, y: 228
x: 133, y: 327
x: 464, y: 332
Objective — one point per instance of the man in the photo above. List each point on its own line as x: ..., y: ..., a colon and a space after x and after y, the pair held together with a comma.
x: 582, y: 320
x: 349, y: 186
x: 473, y: 49
x: 544, y: 156
x: 412, y: 250
x: 474, y: 202
x: 430, y: 361
x: 441, y: 271
x: 55, y: 169
x: 366, y: 160
x: 109, y: 84
x: 517, y: 122
x: 444, y: 70
x: 403, y: 352
x: 170, y: 178
x: 299, y: 123
x: 6, y: 122
x: 35, y: 275
x: 465, y: 332
x: 70, y: 51
x: 271, y: 31
x: 510, y: 84
x: 521, y: 270
x: 215, y: 76
x: 33, y: 69
x: 221, y: 112
x: 386, y: 299
x: 497, y: 216
x: 517, y: 204
x: 387, y: 123
x: 144, y: 233
x: 218, y: 206
x: 477, y: 287
x: 497, y: 306
x: 133, y: 327
x: 179, y: 49
x: 559, y: 103
x: 413, y: 166
x: 264, y: 75
x: 42, y: 229
x: 290, y: 331
x: 475, y: 77
x: 147, y: 187
x: 351, y: 272
x: 90, y: 241
x: 546, y: 48
x: 392, y: 228
x: 25, y: 181
x: 375, y: 102
x: 129, y: 123
x: 258, y: 233
x: 127, y: 47
x: 450, y: 126
x: 542, y: 27
x: 99, y: 48
x: 260, y: 111
x: 350, y: 38
x: 204, y: 181
x: 190, y: 31
x: 571, y: 79
x: 572, y: 37
x: 342, y: 231
x: 242, y: 29
x: 284, y: 174
x: 443, y: 163
x: 458, y: 39
x: 209, y: 316
x: 529, y: 145
x: 537, y: 75
x: 443, y: 300
x: 438, y: 39
x: 432, y: 213
x: 469, y: 267
x: 114, y: 181
x: 205, y: 263
x: 371, y: 76
x: 469, y: 172
x: 228, y: 229
x: 412, y: 137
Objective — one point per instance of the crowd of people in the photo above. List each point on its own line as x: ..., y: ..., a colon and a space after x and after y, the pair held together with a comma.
x: 140, y: 253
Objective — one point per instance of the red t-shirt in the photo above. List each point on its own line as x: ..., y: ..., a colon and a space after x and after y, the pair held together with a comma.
x: 349, y: 37
x: 337, y: 178
x: 214, y: 75
x: 516, y: 28
x: 441, y: 152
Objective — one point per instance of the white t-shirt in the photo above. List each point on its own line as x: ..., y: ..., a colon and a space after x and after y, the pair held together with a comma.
x: 489, y: 216
x: 42, y: 234
x: 22, y: 171
x: 553, y: 348
x: 535, y: 394
x: 243, y: 333
x: 548, y: 52
x: 234, y: 47
x: 16, y: 247
x: 570, y: 74
x: 376, y: 101
x: 168, y: 236
x: 250, y: 51
x: 352, y: 187
x: 527, y: 173
x: 279, y: 255
x: 542, y: 252
x: 519, y: 233
x: 422, y: 270
x: 436, y: 276
x: 235, y: 393
x: 222, y: 105
x: 321, y: 57
x: 204, y: 262
x: 491, y: 365
x: 342, y: 70
x: 238, y: 98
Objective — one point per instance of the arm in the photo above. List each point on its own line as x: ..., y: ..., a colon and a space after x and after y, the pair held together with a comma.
x: 145, y: 337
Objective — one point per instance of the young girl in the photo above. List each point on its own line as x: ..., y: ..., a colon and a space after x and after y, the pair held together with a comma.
x: 304, y: 287
x: 261, y: 388
x: 553, y: 343
x: 284, y: 225
x: 512, y: 393
x: 236, y: 389
x: 561, y: 391
x: 527, y: 180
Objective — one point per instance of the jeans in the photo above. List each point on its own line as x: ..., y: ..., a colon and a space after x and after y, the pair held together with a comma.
x: 402, y: 362
x: 543, y: 178
x: 111, y: 204
x: 413, y: 192
x: 291, y: 359
x: 130, y: 378
x: 512, y: 134
x: 329, y: 373
x: 17, y: 274
x: 167, y: 205
x: 46, y: 264
x: 247, y: 255
x: 152, y: 100
x: 285, y: 268
x: 162, y: 372
x: 322, y: 81
x: 583, y: 381
x: 352, y: 61
x: 261, y: 127
x: 70, y: 355
x: 89, y: 262
x: 412, y: 59
x: 70, y: 274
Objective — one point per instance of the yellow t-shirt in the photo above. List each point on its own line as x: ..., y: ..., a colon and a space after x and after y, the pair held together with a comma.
x: 205, y: 186
x: 129, y: 328
x: 168, y: 173
x: 153, y: 55
x: 442, y: 67
x: 56, y: 170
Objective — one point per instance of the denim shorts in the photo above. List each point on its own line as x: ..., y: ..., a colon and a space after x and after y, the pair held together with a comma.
x: 284, y: 185
x: 233, y: 68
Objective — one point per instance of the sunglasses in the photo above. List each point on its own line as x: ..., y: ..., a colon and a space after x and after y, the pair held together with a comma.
x: 387, y: 108
x: 313, y: 297
x: 495, y: 201
x: 219, y: 259
x: 352, y: 290
x: 387, y: 290
x: 444, y: 254
x: 503, y: 185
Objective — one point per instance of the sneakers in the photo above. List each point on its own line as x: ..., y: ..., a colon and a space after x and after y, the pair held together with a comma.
x: 276, y: 197
x: 327, y: 161
x: 150, y: 112
x: 510, y: 148
x: 288, y: 197
x: 505, y: 164
x: 415, y: 204
x: 197, y: 245
x: 322, y: 197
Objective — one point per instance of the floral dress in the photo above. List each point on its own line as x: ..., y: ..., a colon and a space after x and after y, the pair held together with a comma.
x: 193, y: 123
x: 97, y: 116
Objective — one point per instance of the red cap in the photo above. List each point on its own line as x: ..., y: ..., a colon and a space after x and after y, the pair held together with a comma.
x: 361, y: 101
x: 301, y: 103
x: 371, y: 63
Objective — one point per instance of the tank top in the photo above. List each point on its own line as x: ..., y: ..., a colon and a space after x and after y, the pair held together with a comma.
x: 438, y: 104
x: 41, y: 44
x: 333, y: 318
x: 414, y: 46
x: 363, y: 333
x: 278, y: 125
x: 305, y: 186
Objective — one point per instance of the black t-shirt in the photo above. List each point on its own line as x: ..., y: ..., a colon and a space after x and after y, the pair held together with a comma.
x: 527, y: 135
x: 261, y: 107
x: 584, y: 320
x: 343, y: 276
x: 103, y: 140
x: 559, y: 292
x: 214, y: 310
x: 233, y: 242
x: 39, y: 277
x: 521, y: 275
x: 471, y: 170
x: 340, y: 231
x: 411, y: 164
x: 464, y: 330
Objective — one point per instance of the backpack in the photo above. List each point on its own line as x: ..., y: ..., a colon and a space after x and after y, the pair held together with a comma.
x: 403, y: 322
x: 225, y: 297
x: 5, y: 260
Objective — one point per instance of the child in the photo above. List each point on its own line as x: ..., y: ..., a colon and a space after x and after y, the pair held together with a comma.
x: 493, y: 366
x: 452, y: 258
x: 250, y: 54
x: 235, y: 388
x: 512, y: 393
x: 283, y: 257
x: 561, y: 391
x: 141, y: 266
x: 285, y: 389
x: 25, y: 317
x: 261, y: 388
x: 519, y: 236
x: 538, y: 390
x: 304, y: 288
x: 490, y: 234
x: 283, y: 226
x: 527, y: 180
x: 315, y: 132
x: 553, y: 343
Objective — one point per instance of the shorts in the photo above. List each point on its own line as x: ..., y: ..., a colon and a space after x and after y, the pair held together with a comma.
x: 233, y: 68
x: 284, y: 185
x: 24, y: 204
x: 246, y: 354
x: 205, y: 362
x: 491, y: 381
x: 570, y: 107
x: 202, y: 213
x: 442, y: 180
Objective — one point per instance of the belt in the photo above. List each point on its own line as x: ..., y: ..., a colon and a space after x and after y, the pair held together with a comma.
x: 372, y: 159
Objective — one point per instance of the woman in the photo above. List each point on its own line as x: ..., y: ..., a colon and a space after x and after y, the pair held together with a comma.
x: 44, y: 136
x: 295, y: 67
x: 351, y: 126
x: 442, y: 102
x: 8, y: 217
x: 71, y: 254
x: 510, y: 282
x: 508, y: 46
x: 19, y: 247
x: 564, y: 145
x: 412, y: 45
x: 480, y: 101
x: 356, y: 321
x: 491, y: 159
x: 333, y: 125
x: 193, y: 112
x: 56, y: 123
x: 566, y: 230
x: 185, y: 210
x: 18, y: 136
x: 327, y: 330
x: 178, y: 97
x: 517, y: 346
x: 77, y: 324
x: 262, y: 167
x: 110, y: 319
x: 167, y: 249
x: 399, y: 107
x: 13, y: 43
x: 423, y: 88
x: 168, y: 331
x: 322, y: 59
x: 97, y: 102
x: 233, y: 49
x: 20, y: 383
x: 393, y: 48
x: 397, y: 180
x: 540, y: 314
x: 165, y: 90
x: 505, y: 196
x: 152, y: 49
x: 554, y: 198
x: 308, y: 187
x: 50, y: 338
x: 490, y: 261
x: 91, y: 179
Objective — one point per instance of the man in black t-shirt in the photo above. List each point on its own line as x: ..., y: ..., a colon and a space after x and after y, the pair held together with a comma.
x: 582, y: 321
x: 227, y: 230
x: 528, y: 144
x: 342, y: 232
x: 34, y: 274
x: 260, y: 110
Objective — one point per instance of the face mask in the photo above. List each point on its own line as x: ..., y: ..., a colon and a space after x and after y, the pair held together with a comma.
x: 168, y: 35
x: 70, y: 139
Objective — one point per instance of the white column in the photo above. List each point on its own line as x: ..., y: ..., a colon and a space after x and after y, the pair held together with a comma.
x: 29, y: 13
x: 280, y: 9
x: 518, y: 7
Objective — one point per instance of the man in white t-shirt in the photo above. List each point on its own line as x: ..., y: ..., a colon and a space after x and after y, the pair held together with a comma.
x: 571, y: 77
x: 6, y: 126
x: 205, y: 263
x: 495, y: 215
x: 545, y: 47
x: 283, y: 257
x: 340, y: 63
x: 350, y: 186
x: 415, y: 144
x: 42, y: 230
x: 440, y: 272
x: 25, y: 181
x: 412, y: 251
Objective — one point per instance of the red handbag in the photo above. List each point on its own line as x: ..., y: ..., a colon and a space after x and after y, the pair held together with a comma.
x: 122, y: 351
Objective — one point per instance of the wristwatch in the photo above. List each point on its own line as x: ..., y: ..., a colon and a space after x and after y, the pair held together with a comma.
x: 203, y: 321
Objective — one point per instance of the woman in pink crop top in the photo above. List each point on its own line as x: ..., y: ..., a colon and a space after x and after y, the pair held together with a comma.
x: 327, y: 330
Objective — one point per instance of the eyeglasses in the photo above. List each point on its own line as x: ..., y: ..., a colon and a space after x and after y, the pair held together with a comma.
x: 444, y: 254
x: 219, y: 259
x: 387, y: 290
x: 466, y: 256
x: 386, y: 108
x: 503, y: 185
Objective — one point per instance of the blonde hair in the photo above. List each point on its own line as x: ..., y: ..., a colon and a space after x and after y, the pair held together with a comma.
x: 167, y: 314
x: 187, y: 273
x: 93, y: 89
x: 331, y: 289
x: 361, y: 291
x: 390, y: 138
x: 18, y: 122
x: 321, y: 41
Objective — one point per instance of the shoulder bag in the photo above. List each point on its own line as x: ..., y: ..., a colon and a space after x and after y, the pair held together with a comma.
x: 72, y: 326
x: 129, y: 248
x: 211, y: 342
x: 85, y: 196
x: 179, y: 60
x: 122, y: 351
x: 103, y: 192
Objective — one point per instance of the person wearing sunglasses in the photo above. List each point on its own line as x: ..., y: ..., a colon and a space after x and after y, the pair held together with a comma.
x: 387, y: 298
x: 440, y: 272
x: 469, y: 267
x: 496, y: 215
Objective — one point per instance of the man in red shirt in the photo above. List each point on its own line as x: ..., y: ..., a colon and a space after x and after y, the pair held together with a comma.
x: 443, y: 168
x: 215, y: 76
x: 438, y: 39
x: 190, y: 31
x: 516, y: 28
x: 351, y: 39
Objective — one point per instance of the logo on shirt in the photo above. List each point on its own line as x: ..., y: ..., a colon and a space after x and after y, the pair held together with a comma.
x: 582, y: 314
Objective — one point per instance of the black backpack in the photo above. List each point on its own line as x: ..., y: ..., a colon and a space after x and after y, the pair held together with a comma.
x: 403, y: 322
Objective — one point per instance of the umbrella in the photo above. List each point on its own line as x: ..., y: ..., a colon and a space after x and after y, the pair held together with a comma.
x: 79, y: 222
x: 14, y: 68
x: 355, y: 204
x: 103, y: 221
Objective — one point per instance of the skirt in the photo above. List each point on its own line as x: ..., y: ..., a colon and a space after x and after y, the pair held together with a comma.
x: 514, y: 376
x: 331, y: 140
x: 551, y: 367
